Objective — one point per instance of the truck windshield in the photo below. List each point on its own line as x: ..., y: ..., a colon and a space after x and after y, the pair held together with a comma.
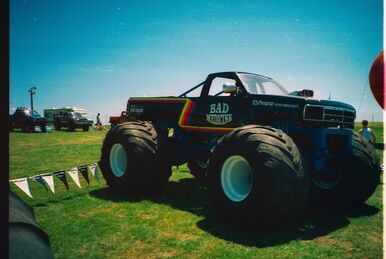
x: 35, y: 114
x: 255, y: 84
x: 71, y: 114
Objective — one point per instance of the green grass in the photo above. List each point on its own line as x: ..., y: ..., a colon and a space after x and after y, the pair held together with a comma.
x: 92, y: 222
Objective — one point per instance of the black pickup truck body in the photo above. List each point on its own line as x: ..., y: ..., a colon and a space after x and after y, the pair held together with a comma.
x: 27, y: 120
x: 72, y: 121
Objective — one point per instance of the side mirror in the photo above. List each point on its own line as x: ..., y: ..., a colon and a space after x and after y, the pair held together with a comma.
x: 229, y: 88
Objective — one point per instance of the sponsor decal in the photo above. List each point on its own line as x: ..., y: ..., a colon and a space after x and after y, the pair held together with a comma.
x: 273, y: 104
x: 218, y: 114
x: 135, y: 108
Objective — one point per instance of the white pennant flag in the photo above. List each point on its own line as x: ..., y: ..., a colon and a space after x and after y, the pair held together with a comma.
x: 94, y: 170
x: 74, y: 175
x: 22, y: 183
x: 49, y: 179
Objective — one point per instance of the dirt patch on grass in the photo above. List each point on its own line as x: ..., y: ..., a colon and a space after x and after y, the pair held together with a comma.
x: 140, y: 249
x: 345, y: 245
x: 110, y: 209
x: 324, y: 241
x: 374, y: 237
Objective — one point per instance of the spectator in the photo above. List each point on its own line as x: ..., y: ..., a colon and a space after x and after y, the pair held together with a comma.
x: 367, y: 132
x: 98, y: 124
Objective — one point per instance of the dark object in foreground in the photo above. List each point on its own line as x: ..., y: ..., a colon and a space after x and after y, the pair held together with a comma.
x: 261, y: 148
x: 26, y: 238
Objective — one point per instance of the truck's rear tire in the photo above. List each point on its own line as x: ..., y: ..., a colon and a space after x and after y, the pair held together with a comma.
x: 28, y: 128
x: 358, y: 178
x: 85, y: 128
x: 131, y: 160
x: 256, y: 173
x: 26, y: 238
x: 43, y: 128
x: 198, y: 168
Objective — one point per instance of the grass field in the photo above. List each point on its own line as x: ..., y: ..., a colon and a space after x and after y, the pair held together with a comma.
x: 94, y: 223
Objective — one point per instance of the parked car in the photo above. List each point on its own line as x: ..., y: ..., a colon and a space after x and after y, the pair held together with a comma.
x: 71, y: 120
x: 115, y: 120
x: 27, y: 120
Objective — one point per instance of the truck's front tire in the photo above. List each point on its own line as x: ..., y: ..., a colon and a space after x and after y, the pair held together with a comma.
x: 256, y: 173
x: 28, y: 128
x: 71, y: 126
x: 198, y: 168
x: 131, y: 161
x: 358, y: 178
x: 57, y: 126
x: 85, y: 128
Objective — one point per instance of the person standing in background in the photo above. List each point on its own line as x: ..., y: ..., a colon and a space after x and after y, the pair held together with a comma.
x: 366, y: 132
x: 99, y: 122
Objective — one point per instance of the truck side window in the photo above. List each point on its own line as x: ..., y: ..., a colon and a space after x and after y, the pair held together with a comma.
x: 195, y: 93
x: 216, y: 87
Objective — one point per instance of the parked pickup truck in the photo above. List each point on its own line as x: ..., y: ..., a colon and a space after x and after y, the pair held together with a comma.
x: 71, y: 120
x: 26, y: 119
x: 115, y: 120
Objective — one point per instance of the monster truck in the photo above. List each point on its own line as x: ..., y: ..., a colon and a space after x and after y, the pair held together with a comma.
x: 26, y: 119
x: 115, y: 120
x: 263, y: 150
x: 71, y: 120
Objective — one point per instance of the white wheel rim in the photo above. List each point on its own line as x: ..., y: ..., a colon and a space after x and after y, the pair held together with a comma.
x: 118, y: 160
x: 236, y: 178
x: 326, y: 185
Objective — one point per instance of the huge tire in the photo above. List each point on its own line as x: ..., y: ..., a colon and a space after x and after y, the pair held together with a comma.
x: 256, y: 173
x: 357, y: 178
x: 26, y: 238
x: 132, y: 159
x: 198, y: 168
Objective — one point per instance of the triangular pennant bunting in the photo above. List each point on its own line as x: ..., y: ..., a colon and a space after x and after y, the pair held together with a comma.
x: 22, y: 183
x: 74, y: 175
x: 83, y: 170
x: 39, y: 180
x: 94, y: 171
x: 62, y: 177
x: 49, y: 180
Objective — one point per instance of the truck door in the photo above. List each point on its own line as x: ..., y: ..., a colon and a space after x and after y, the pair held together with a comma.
x: 64, y: 119
x: 19, y: 118
x: 219, y: 112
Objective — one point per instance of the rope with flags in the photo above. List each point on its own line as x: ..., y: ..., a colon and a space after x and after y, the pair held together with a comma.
x: 47, y: 179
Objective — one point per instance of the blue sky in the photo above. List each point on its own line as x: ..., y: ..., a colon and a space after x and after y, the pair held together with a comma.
x: 97, y: 54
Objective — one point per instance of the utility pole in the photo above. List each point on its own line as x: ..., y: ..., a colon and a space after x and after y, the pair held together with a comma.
x: 32, y: 92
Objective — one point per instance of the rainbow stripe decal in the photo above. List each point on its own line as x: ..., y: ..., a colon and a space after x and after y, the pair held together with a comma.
x: 185, y: 115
